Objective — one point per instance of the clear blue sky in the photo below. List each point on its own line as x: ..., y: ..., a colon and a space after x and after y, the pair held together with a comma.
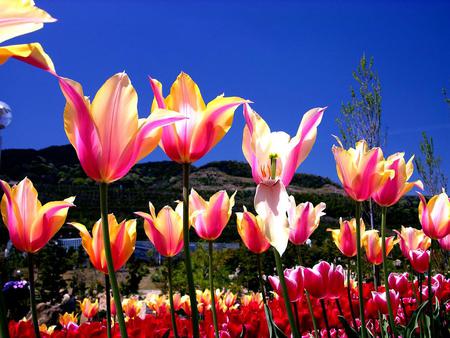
x: 286, y: 56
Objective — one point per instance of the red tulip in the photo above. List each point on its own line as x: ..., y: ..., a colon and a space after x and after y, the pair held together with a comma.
x: 379, y: 298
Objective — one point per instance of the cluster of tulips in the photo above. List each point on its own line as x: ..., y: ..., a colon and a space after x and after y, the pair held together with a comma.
x: 109, y: 138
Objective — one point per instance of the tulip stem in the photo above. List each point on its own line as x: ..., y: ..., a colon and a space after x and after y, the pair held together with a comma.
x: 172, y: 309
x: 430, y: 291
x: 311, y: 312
x: 109, y: 259
x: 297, y: 319
x: 108, y: 306
x: 338, y: 304
x: 325, y: 317
x: 385, y: 270
x: 261, y: 280
x: 33, y: 295
x: 187, y: 255
x: 349, y: 295
x: 3, y: 321
x: 211, y: 286
x: 359, y: 270
x: 284, y: 289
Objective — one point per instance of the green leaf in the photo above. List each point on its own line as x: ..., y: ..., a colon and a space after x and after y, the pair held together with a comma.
x: 274, y: 330
x: 413, y: 322
x: 351, y: 332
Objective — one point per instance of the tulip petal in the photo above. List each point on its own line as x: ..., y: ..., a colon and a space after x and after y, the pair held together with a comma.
x: 31, y: 53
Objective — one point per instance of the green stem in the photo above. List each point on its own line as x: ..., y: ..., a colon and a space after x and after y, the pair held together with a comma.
x: 187, y: 255
x: 359, y: 270
x: 349, y: 295
x: 299, y: 254
x: 311, y: 312
x: 108, y: 307
x: 3, y: 321
x: 172, y: 309
x: 325, y: 317
x: 33, y: 295
x: 109, y: 259
x: 211, y: 286
x: 284, y: 289
x: 297, y: 319
x: 385, y: 270
x: 261, y: 280
x: 338, y: 305
x: 430, y: 291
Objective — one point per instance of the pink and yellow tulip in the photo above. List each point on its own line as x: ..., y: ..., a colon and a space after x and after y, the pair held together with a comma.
x: 30, y: 224
x: 189, y: 140
x: 345, y: 236
x: 372, y: 244
x: 89, y: 309
x: 394, y: 188
x: 303, y: 220
x: 165, y: 230
x: 107, y: 134
x: 412, y: 239
x: 251, y: 230
x: 210, y: 218
x: 360, y: 170
x: 133, y: 307
x: 260, y: 146
x: 122, y: 237
x: 68, y: 320
x: 435, y: 215
x: 445, y: 243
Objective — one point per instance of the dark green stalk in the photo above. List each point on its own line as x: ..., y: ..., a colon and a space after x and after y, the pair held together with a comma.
x: 385, y: 270
x: 299, y: 254
x: 3, y: 321
x: 338, y: 304
x: 430, y: 291
x: 33, y: 295
x: 297, y: 319
x: 109, y: 259
x: 284, y: 289
x: 311, y: 312
x: 211, y: 286
x: 261, y: 280
x: 325, y: 317
x: 359, y: 270
x: 187, y: 255
x: 172, y: 309
x: 349, y: 295
x: 108, y: 306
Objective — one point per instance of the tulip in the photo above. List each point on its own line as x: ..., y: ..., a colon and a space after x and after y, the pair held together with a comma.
x: 394, y: 188
x: 324, y: 280
x: 412, y: 239
x: 345, y: 236
x: 251, y: 230
x: 189, y: 140
x: 123, y: 240
x: 303, y: 220
x: 164, y: 230
x: 260, y: 145
x: 20, y: 17
x: 47, y: 330
x: 210, y: 218
x: 399, y: 282
x: 294, y: 283
x: 361, y: 171
x: 88, y: 308
x: 445, y: 243
x: 68, y: 320
x: 435, y: 215
x: 133, y: 307
x: 107, y: 134
x: 31, y: 53
x: 30, y: 224
x: 379, y: 299
x: 371, y: 242
x: 420, y: 260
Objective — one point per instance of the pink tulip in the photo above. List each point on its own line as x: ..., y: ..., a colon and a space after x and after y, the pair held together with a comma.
x: 360, y: 170
x: 107, y: 134
x: 412, y: 239
x: 210, y: 218
x: 294, y: 283
x: 445, y: 243
x: 324, y: 280
x: 435, y: 215
x: 394, y: 188
x: 260, y: 145
x: 189, y: 140
x: 420, y: 260
x: 379, y: 299
x: 399, y: 282
x: 303, y: 220
x: 251, y: 230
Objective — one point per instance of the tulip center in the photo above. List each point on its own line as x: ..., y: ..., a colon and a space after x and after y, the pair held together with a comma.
x: 273, y: 165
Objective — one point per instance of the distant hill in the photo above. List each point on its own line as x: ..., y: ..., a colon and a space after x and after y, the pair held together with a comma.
x: 57, y: 174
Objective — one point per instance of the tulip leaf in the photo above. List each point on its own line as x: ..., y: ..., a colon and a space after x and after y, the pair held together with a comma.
x: 274, y: 330
x: 243, y: 332
x: 351, y: 332
x: 413, y: 322
x: 166, y: 334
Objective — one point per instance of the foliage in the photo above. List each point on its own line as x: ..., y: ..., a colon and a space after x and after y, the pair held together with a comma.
x: 136, y: 270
